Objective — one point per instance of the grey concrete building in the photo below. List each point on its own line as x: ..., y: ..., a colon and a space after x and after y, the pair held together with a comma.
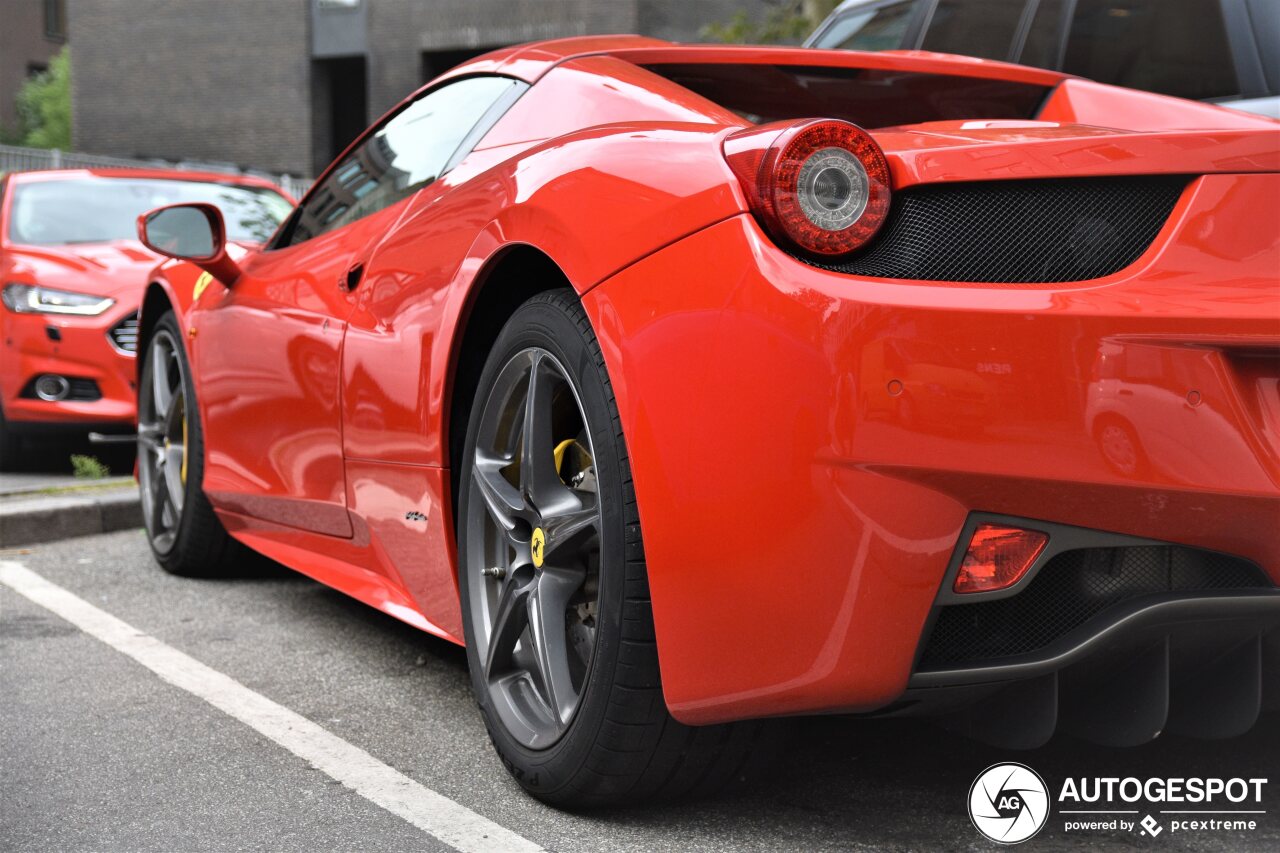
x: 31, y: 32
x: 283, y: 85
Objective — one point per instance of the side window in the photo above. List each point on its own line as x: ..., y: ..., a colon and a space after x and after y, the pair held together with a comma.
x: 1174, y: 49
x: 882, y: 27
x: 982, y: 28
x: 406, y: 154
x: 1044, y: 38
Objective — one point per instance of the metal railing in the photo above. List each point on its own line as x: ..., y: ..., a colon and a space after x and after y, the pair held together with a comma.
x: 14, y: 158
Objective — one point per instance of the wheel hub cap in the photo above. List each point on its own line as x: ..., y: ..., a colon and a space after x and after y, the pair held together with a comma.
x: 536, y: 544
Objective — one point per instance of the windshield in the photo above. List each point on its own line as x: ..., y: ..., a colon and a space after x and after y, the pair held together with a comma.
x: 99, y: 210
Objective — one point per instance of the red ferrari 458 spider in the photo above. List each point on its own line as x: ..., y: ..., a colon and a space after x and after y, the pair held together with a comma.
x: 690, y: 386
x: 72, y: 273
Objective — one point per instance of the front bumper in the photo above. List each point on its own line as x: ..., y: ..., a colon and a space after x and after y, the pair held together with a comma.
x: 807, y: 447
x: 83, y: 351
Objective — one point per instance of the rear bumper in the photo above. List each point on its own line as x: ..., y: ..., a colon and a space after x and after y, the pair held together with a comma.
x: 83, y: 351
x: 807, y: 446
x: 1202, y: 666
x: 1111, y: 638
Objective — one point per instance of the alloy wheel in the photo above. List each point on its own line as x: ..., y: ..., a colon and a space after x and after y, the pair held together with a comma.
x: 533, y: 555
x: 162, y: 440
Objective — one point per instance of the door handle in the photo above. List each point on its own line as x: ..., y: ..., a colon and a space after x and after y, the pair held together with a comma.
x: 351, y: 280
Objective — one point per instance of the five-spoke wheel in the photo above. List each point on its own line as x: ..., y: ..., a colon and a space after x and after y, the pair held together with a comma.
x: 186, y: 536
x: 554, y: 585
x: 534, y: 554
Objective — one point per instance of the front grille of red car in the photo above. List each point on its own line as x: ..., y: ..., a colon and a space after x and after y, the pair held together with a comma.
x: 1018, y: 232
x: 1072, y: 589
x: 124, y: 335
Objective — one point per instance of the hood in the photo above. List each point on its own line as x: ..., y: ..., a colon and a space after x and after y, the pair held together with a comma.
x: 1006, y: 150
x: 117, y: 269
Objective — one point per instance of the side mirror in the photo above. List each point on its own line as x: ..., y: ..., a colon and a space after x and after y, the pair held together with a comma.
x: 190, y: 232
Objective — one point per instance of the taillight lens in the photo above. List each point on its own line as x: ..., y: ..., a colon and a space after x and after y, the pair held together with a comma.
x: 820, y: 185
x: 998, y: 557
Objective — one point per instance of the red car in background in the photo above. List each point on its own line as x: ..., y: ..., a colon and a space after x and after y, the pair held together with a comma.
x: 692, y: 385
x: 72, y: 273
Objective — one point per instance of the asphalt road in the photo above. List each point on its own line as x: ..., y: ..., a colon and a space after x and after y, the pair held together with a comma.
x: 98, y: 752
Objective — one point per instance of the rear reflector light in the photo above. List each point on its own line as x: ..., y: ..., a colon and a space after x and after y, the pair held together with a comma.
x: 998, y: 557
x: 821, y: 185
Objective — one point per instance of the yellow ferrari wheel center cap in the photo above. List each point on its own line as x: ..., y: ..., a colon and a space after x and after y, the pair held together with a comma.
x: 536, y: 546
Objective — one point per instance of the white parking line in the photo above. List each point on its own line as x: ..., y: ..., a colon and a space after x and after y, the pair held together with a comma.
x: 454, y: 824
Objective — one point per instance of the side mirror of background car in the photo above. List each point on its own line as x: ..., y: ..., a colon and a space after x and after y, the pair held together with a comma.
x: 190, y: 232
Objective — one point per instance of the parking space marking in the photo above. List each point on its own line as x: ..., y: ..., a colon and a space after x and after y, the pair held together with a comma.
x: 435, y: 814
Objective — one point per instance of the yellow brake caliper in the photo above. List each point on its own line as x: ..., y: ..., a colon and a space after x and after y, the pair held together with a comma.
x: 582, y: 459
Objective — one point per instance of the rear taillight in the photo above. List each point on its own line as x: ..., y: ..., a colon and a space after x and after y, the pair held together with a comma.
x: 820, y: 185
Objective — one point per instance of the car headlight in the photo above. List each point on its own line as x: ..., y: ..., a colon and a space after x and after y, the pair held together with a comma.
x: 34, y: 299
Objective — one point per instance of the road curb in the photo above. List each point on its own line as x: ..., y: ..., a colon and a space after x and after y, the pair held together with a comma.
x: 48, y: 518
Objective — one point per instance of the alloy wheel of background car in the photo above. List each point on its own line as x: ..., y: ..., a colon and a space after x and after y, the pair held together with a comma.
x: 555, y: 596
x: 186, y: 536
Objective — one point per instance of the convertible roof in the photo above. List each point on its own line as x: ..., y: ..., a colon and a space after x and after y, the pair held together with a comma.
x: 529, y: 62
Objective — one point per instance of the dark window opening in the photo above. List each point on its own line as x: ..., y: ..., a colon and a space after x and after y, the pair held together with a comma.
x: 55, y: 19
x: 867, y: 97
x: 982, y: 28
x: 436, y: 62
x: 1175, y: 49
x: 1044, y: 42
x: 340, y: 106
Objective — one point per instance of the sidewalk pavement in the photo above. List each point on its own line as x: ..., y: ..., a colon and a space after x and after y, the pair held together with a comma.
x: 26, y: 482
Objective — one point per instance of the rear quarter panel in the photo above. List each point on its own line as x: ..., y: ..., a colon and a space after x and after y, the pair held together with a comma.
x: 594, y: 202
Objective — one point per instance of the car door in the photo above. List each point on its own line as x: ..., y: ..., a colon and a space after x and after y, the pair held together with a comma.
x: 389, y: 338
x: 270, y: 349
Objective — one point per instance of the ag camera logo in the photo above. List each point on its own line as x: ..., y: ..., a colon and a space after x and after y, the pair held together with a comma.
x: 1009, y: 803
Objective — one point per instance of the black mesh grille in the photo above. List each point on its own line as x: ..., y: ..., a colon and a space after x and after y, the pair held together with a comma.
x: 1071, y: 589
x: 124, y: 335
x: 84, y: 390
x: 1018, y: 232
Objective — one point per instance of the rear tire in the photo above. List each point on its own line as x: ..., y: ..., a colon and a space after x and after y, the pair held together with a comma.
x: 185, y: 534
x: 600, y: 735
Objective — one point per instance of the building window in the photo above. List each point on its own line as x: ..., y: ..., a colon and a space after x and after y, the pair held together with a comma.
x: 55, y: 19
